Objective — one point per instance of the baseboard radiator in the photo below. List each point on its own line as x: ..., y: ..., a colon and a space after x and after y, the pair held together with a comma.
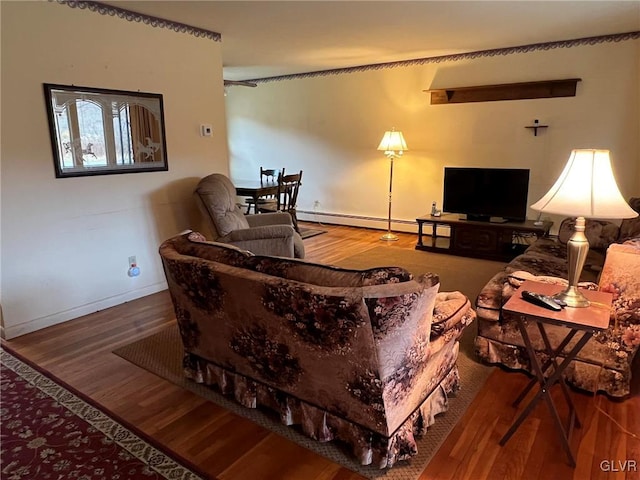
x: 397, y: 225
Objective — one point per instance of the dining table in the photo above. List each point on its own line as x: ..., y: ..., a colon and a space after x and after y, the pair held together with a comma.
x: 255, y: 189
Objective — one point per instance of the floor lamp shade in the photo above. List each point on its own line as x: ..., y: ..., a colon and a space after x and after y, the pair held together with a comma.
x: 392, y: 144
x: 586, y: 188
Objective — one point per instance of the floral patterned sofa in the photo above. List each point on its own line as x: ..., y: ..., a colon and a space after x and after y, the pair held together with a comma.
x: 606, y: 362
x: 364, y: 356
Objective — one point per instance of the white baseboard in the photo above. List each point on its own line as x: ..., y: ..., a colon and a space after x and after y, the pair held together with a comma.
x: 377, y: 223
x: 13, y: 331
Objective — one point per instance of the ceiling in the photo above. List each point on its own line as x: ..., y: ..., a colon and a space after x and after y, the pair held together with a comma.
x: 271, y: 38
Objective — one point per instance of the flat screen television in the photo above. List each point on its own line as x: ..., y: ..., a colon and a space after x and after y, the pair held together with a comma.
x: 486, y: 194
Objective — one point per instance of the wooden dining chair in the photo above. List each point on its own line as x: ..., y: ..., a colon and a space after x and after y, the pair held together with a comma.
x: 287, y: 198
x: 267, y: 176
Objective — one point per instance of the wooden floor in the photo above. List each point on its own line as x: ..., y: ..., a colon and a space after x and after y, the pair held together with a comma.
x: 231, y: 448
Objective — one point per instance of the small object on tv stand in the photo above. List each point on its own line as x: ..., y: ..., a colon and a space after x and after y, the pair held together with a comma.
x: 434, y: 210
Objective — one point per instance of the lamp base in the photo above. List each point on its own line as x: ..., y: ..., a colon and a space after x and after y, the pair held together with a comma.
x: 389, y: 237
x: 572, y: 297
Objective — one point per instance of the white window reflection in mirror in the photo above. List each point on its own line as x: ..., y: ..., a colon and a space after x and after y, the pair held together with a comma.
x: 96, y: 131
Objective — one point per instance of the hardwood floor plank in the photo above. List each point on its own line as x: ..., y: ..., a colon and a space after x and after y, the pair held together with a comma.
x: 271, y: 459
x: 230, y: 447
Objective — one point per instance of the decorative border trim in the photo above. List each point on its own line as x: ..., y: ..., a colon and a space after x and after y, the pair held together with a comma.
x: 617, y: 37
x: 131, y: 16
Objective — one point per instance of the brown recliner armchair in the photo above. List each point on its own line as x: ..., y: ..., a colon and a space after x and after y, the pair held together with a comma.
x: 263, y: 234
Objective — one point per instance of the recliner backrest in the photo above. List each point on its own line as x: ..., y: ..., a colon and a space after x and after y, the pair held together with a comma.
x: 216, y: 198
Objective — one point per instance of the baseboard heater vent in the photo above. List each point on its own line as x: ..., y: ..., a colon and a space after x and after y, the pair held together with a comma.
x: 358, y: 217
x: 377, y: 223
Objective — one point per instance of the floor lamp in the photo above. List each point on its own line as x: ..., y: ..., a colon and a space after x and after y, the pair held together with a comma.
x: 393, y: 145
x: 586, y: 188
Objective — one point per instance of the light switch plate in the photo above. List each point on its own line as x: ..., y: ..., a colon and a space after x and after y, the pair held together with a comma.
x: 206, y: 130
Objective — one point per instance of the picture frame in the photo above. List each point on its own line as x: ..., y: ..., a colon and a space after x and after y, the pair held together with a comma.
x: 97, y: 131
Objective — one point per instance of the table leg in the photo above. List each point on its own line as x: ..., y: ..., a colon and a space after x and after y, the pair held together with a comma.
x: 420, y: 233
x: 545, y: 384
x: 563, y: 385
x: 434, y: 233
x: 545, y: 366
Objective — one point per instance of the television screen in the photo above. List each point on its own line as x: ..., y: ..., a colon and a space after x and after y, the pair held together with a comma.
x: 482, y: 193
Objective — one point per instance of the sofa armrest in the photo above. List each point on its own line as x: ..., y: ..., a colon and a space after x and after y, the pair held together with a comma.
x: 503, y: 285
x: 263, y: 219
x: 273, y: 240
x: 515, y: 279
x: 452, y: 313
x: 259, y: 233
x: 489, y: 301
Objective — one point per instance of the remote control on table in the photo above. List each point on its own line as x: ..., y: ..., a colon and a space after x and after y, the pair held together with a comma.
x: 542, y: 300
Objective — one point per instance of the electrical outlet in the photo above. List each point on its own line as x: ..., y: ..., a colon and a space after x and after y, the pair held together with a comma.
x: 316, y: 204
x: 134, y: 270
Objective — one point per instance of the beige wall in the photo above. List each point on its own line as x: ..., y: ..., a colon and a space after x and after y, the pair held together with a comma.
x: 66, y: 242
x: 330, y: 127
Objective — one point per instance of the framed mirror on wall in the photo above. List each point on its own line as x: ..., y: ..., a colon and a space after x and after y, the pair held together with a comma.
x: 95, y: 131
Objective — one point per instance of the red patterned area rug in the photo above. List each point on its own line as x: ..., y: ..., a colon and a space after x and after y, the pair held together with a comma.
x: 51, y: 431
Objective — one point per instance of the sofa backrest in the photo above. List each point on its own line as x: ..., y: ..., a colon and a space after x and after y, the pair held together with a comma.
x: 600, y: 233
x: 344, y: 347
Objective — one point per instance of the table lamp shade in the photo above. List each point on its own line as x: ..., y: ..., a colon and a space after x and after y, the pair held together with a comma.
x: 393, y: 143
x: 586, y: 188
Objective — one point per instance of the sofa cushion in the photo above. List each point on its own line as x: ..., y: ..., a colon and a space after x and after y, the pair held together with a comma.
x: 600, y: 233
x: 630, y: 227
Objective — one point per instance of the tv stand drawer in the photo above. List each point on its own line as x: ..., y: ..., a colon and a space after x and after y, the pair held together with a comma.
x: 478, y: 239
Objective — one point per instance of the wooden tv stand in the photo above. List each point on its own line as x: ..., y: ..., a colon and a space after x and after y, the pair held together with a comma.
x: 469, y: 238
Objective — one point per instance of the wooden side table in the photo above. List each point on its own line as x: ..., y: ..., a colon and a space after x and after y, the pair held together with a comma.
x: 586, y: 320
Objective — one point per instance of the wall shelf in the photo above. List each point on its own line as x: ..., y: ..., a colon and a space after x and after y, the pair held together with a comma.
x: 535, y: 128
x: 507, y: 91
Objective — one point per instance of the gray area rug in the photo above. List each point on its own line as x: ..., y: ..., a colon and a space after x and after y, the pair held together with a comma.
x: 310, y: 232
x: 161, y: 354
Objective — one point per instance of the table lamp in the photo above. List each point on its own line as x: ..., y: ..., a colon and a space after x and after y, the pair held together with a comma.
x: 586, y: 188
x: 393, y: 145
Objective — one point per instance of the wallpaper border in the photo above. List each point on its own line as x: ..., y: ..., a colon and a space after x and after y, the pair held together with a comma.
x: 578, y: 42
x: 131, y: 16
